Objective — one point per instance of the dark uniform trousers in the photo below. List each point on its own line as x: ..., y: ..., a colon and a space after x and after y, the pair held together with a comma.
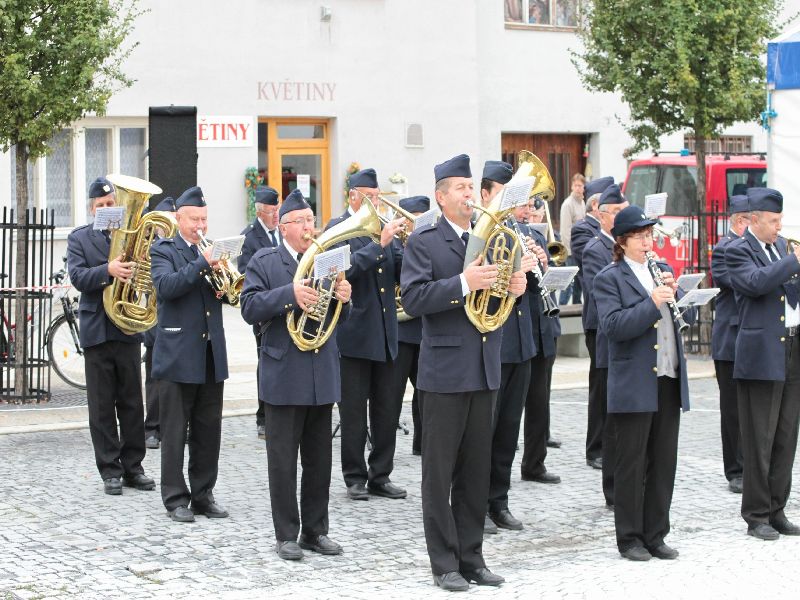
x: 644, y: 470
x: 260, y: 411
x: 114, y: 391
x: 405, y: 369
x: 537, y: 416
x: 514, y: 381
x: 597, y: 402
x: 200, y: 407
x: 456, y: 446
x: 732, y: 460
x: 309, y: 429
x: 151, y: 426
x: 609, y: 442
x: 364, y: 380
x: 768, y: 416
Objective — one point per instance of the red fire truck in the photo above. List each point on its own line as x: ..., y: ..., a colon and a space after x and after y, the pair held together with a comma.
x: 676, y: 174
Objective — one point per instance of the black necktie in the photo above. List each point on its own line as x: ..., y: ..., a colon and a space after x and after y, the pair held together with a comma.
x: 107, y: 236
x: 465, y: 237
x: 792, y: 295
x: 299, y: 256
x: 272, y: 237
x: 195, y: 251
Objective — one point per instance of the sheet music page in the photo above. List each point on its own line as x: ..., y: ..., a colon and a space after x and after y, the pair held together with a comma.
x: 226, y: 248
x: 540, y: 227
x: 689, y: 281
x: 698, y: 297
x: 516, y: 192
x: 655, y: 205
x: 558, y: 278
x: 428, y: 218
x: 332, y: 261
x: 109, y: 217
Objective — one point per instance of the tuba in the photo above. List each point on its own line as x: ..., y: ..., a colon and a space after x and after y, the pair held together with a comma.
x: 131, y: 306
x: 365, y: 222
x: 225, y: 280
x: 544, y: 189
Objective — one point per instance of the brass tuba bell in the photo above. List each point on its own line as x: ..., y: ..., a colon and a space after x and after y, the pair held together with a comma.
x: 131, y: 306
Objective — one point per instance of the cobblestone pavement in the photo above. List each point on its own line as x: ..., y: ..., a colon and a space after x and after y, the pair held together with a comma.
x: 62, y: 537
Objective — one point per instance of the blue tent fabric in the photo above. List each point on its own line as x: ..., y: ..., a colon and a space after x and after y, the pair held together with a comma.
x: 783, y: 62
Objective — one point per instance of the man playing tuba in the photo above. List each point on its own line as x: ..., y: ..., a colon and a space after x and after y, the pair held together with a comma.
x: 303, y: 385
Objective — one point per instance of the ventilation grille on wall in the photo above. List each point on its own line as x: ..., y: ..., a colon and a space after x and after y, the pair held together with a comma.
x: 414, y: 135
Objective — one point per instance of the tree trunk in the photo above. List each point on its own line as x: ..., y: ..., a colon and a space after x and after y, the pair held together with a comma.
x: 703, y: 250
x: 21, y: 280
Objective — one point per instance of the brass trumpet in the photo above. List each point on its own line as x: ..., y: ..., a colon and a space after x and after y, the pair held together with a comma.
x: 225, y: 280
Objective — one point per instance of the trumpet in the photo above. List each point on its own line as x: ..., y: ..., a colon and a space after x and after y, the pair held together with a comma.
x: 225, y: 280
x: 549, y: 307
x: 673, y: 307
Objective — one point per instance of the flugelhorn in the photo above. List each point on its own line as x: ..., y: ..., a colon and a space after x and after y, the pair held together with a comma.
x: 225, y: 279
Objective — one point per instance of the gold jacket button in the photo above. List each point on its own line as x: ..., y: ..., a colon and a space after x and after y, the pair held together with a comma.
x: 783, y: 298
x: 783, y: 339
x: 316, y: 350
x: 655, y: 347
x: 382, y: 290
x: 484, y: 338
x: 783, y: 318
x: 655, y: 369
x: 519, y: 312
x: 204, y: 336
x: 380, y: 270
x: 384, y: 310
x: 208, y: 314
x: 655, y: 326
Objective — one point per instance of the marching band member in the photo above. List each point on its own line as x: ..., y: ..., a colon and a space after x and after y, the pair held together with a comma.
x: 458, y: 375
x: 409, y: 336
x: 302, y: 386
x: 263, y: 232
x: 112, y: 358
x: 763, y: 275
x: 597, y: 254
x: 723, y: 344
x: 190, y: 361
x: 647, y: 386
x: 368, y: 348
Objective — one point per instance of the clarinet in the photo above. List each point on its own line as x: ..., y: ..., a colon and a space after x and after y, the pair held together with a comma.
x: 549, y: 308
x: 673, y: 308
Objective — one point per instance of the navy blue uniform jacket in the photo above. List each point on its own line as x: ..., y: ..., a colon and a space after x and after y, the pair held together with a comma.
x: 188, y: 313
x: 87, y: 261
x: 629, y: 318
x: 545, y: 329
x: 597, y: 256
x: 758, y: 284
x: 287, y: 376
x: 583, y: 231
x: 255, y: 238
x: 371, y: 331
x: 726, y: 315
x: 518, y: 345
x: 410, y: 332
x: 454, y: 356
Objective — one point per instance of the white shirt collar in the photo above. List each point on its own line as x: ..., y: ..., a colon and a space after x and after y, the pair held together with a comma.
x: 188, y: 243
x: 636, y: 265
x: 456, y: 228
x: 267, y: 229
x: 350, y: 210
x: 591, y: 216
x: 292, y: 252
x: 608, y: 235
x: 763, y: 244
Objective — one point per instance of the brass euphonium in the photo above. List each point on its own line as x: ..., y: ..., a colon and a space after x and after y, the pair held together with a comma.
x: 365, y: 222
x: 131, y: 306
x: 544, y: 189
x: 225, y: 279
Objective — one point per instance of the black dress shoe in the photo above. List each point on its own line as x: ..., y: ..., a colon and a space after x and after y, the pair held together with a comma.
x: 545, y: 477
x: 489, y: 526
x: 505, y: 520
x: 416, y: 452
x: 289, y: 550
x: 785, y: 527
x: 112, y: 486
x: 262, y: 432
x: 763, y: 531
x: 637, y: 553
x: 140, y: 481
x: 483, y: 576
x: 320, y: 543
x: 212, y: 510
x: 152, y: 443
x: 595, y: 463
x: 181, y: 515
x: 551, y: 443
x: 735, y: 485
x: 664, y: 552
x: 387, y: 490
x: 357, y: 491
x: 451, y: 582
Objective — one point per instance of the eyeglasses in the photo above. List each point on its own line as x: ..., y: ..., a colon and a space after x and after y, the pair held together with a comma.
x: 301, y: 221
x: 645, y: 235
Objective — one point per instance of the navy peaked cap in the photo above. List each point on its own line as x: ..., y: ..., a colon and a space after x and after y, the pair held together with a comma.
x: 167, y: 204
x: 458, y: 166
x: 191, y: 197
x: 738, y: 204
x: 611, y: 195
x: 497, y: 170
x: 597, y: 186
x: 100, y: 187
x: 366, y: 178
x: 266, y: 195
x: 416, y: 204
x: 630, y: 219
x: 293, y: 201
x: 765, y: 199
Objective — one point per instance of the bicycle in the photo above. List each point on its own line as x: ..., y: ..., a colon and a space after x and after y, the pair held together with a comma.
x: 62, y: 337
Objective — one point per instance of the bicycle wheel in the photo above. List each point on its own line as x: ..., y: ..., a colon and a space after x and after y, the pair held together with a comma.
x: 64, y: 356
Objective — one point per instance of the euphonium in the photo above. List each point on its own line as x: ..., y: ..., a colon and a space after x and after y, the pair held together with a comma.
x: 365, y: 222
x: 131, y: 306
x: 225, y: 280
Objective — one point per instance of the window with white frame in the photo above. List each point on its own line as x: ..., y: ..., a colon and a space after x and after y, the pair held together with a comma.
x: 550, y: 14
x: 78, y: 156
